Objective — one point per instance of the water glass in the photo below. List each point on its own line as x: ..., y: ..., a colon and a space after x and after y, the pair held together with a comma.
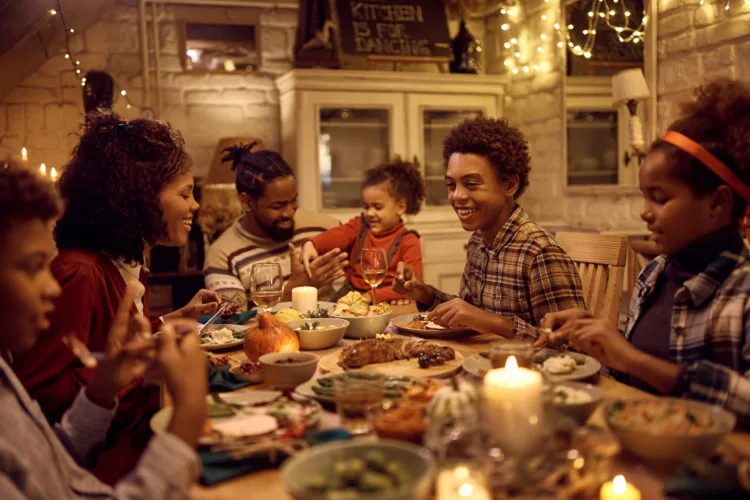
x: 501, y: 351
x: 357, y: 402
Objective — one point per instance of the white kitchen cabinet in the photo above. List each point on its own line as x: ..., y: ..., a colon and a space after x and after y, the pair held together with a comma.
x: 337, y: 123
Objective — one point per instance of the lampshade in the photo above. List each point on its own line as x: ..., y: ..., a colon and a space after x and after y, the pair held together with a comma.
x: 220, y: 173
x: 629, y: 85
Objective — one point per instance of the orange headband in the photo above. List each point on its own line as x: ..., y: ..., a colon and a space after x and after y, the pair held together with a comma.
x: 711, y: 162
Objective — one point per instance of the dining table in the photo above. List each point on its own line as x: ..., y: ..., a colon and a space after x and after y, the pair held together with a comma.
x: 646, y: 477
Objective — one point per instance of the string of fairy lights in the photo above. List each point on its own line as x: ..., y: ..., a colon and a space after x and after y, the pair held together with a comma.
x: 78, y: 71
x: 527, y: 53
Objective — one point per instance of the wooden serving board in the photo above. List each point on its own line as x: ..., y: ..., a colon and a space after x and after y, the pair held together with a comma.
x: 405, y: 367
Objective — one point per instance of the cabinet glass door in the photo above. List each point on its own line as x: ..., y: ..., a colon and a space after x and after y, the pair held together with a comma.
x: 436, y: 115
x: 349, y: 142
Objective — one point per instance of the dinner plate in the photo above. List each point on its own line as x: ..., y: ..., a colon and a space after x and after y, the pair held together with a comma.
x: 306, y: 389
x: 405, y: 319
x: 228, y: 345
x: 479, y: 365
x: 266, y: 404
x: 404, y: 367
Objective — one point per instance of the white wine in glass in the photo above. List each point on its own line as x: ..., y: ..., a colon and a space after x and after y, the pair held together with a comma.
x: 266, y: 285
x: 374, y: 267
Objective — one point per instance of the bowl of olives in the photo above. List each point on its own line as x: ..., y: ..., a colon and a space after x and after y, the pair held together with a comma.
x: 385, y: 469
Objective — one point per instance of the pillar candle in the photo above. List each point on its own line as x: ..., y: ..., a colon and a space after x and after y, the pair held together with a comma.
x: 305, y: 299
x: 513, y: 404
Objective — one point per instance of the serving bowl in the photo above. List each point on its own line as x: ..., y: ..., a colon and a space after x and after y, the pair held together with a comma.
x: 581, y: 411
x: 315, y: 340
x: 665, y: 446
x: 365, y: 327
x: 319, y: 461
x: 282, y: 375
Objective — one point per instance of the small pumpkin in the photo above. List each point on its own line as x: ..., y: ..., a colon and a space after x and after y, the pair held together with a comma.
x: 454, y: 402
x: 269, y: 335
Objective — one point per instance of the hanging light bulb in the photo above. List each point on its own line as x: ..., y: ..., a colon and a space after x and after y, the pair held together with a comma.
x: 539, y: 49
x: 505, y: 27
x: 525, y: 69
x: 503, y: 11
x: 536, y: 67
x: 560, y: 44
x: 518, y: 55
x: 611, y: 12
x: 515, y: 71
x: 544, y: 17
x: 557, y: 25
x: 543, y: 36
x: 128, y: 106
x: 123, y: 92
x: 508, y: 63
x: 585, y: 32
x: 506, y: 45
x: 601, y: 14
x: 72, y: 30
x: 67, y: 56
x: 514, y: 41
x: 587, y: 55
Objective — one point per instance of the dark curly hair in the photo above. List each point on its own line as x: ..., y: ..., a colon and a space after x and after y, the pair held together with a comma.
x: 255, y: 169
x: 719, y: 120
x: 503, y: 146
x: 25, y: 195
x: 111, y: 185
x: 404, y: 182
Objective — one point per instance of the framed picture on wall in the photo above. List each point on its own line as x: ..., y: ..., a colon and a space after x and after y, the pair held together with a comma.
x: 219, y: 47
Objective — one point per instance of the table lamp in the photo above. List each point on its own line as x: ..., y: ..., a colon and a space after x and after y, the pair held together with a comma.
x: 629, y: 87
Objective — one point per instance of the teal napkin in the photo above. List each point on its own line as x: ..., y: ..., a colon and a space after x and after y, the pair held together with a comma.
x: 222, y: 380
x: 218, y: 467
x: 234, y: 319
x: 688, y: 485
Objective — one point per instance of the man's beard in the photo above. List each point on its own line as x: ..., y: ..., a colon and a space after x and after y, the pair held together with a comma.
x: 277, y: 233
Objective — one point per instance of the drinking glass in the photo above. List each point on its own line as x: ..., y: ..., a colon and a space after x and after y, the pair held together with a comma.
x: 357, y: 401
x: 501, y: 351
x: 266, y: 285
x: 374, y: 267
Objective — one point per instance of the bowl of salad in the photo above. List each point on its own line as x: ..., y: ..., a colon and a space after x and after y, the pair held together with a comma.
x: 319, y: 333
x: 668, y: 429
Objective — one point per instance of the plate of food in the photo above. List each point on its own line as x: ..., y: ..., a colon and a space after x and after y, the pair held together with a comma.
x: 284, y: 312
x: 365, y: 320
x: 221, y: 337
x: 322, y: 388
x: 417, y: 324
x: 557, y: 366
x: 248, y: 415
x: 395, y: 356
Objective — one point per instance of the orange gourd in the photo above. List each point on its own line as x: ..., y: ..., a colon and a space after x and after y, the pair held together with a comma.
x: 269, y: 335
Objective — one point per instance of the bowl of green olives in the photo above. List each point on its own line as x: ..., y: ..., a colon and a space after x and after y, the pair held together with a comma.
x: 350, y: 470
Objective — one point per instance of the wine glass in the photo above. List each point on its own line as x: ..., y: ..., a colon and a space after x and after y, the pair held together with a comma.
x: 266, y: 284
x: 374, y: 267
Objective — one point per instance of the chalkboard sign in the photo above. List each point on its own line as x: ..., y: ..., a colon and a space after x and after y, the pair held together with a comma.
x: 405, y: 28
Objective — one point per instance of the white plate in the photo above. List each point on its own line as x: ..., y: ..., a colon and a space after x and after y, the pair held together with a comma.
x: 405, y: 319
x: 228, y: 345
x: 479, y: 366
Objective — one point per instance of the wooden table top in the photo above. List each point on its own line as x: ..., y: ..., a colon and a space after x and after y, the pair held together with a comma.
x: 268, y: 483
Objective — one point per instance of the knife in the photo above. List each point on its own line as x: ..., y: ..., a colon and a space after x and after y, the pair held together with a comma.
x: 213, y: 318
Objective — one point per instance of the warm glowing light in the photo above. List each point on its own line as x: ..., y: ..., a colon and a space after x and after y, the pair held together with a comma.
x: 539, y: 49
x: 506, y: 45
x: 570, y: 26
x: 24, y: 154
x: 514, y: 41
x: 591, y: 14
x: 557, y: 25
x: 511, y: 12
x: 505, y: 27
x: 611, y: 12
x: 726, y: 7
x: 67, y: 56
x: 627, y: 13
x: 508, y: 63
x: 83, y: 84
x: 461, y: 472
x: 515, y: 71
x: 544, y: 17
x: 619, y: 485
x: 465, y: 490
x: 560, y: 44
x: 123, y: 92
x: 53, y: 173
x: 536, y: 67
x: 511, y: 364
x: 543, y: 36
x: 52, y: 12
x: 78, y: 62
x: 585, y: 32
x: 503, y: 11
x: 43, y: 169
x: 636, y: 40
x: 128, y: 106
x: 78, y: 72
x: 525, y: 69
x: 587, y: 55
x: 72, y: 30
x: 601, y: 14
x: 517, y: 54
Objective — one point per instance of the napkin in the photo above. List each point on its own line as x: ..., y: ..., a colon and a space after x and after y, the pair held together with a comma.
x: 218, y: 467
x: 222, y: 380
x: 234, y: 319
x: 687, y: 484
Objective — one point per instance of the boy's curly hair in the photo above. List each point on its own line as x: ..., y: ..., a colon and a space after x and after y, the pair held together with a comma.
x: 112, y: 183
x: 719, y: 120
x: 25, y: 195
x: 404, y: 180
x: 504, y: 147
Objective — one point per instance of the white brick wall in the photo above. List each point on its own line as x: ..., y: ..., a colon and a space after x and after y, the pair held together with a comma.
x: 45, y: 111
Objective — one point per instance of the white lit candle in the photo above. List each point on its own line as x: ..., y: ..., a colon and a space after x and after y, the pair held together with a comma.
x: 24, y: 154
x: 619, y: 489
x: 456, y: 483
x: 513, y: 403
x: 43, y: 169
x: 305, y: 299
x: 53, y: 174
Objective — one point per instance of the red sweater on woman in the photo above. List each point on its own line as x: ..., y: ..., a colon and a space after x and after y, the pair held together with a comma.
x: 92, y: 288
x: 346, y: 238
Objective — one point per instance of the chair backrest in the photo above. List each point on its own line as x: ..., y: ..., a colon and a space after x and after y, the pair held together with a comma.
x: 600, y: 260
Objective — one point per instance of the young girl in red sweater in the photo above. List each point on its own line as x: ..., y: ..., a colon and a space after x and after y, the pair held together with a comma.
x: 388, y: 192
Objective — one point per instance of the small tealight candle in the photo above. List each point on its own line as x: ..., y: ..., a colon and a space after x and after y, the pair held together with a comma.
x: 305, y: 299
x: 619, y: 489
x: 513, y: 399
x: 457, y: 483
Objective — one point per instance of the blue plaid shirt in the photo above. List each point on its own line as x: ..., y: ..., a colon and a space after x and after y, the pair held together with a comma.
x: 708, y: 337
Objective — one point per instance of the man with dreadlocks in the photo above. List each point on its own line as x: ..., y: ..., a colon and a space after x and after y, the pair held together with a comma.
x: 270, y: 230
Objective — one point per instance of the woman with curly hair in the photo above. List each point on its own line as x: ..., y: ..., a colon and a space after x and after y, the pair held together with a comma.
x: 688, y: 328
x: 515, y: 272
x: 388, y: 192
x: 128, y: 187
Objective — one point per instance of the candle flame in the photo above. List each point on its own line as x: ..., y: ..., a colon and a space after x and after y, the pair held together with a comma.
x: 619, y: 485
x: 24, y: 154
x: 53, y: 173
x: 465, y: 490
x: 461, y: 472
x: 511, y: 364
x: 43, y: 169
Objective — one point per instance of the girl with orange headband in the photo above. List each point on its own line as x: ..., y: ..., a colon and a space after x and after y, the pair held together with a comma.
x: 687, y: 333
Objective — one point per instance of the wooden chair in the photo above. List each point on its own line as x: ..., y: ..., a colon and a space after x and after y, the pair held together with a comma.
x: 600, y: 260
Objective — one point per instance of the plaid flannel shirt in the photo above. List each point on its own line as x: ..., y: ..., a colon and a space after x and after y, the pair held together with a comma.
x: 708, y: 339
x: 523, y: 274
